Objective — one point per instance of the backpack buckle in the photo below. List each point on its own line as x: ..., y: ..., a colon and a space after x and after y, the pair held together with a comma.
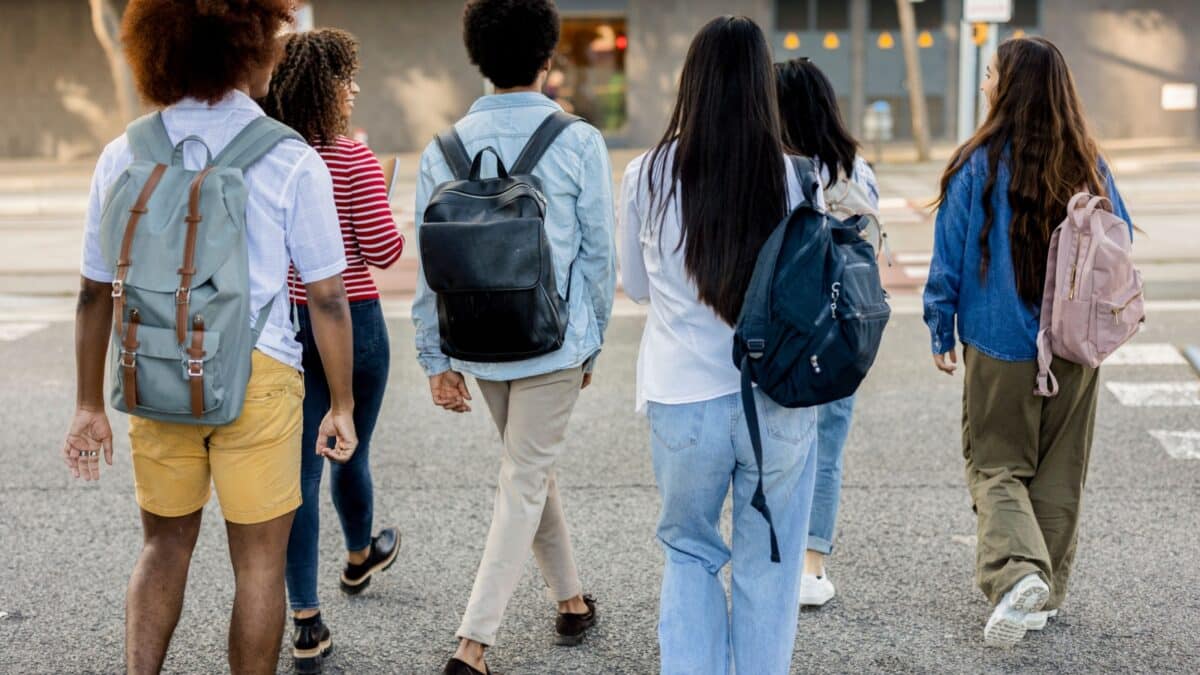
x: 756, y: 347
x: 118, y: 288
x: 183, y: 296
x: 127, y: 359
x: 195, y: 368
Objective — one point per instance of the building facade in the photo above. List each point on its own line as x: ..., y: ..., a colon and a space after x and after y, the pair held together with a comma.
x: 618, y: 63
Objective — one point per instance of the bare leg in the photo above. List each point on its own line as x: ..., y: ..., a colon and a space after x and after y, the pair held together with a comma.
x: 814, y: 563
x: 259, y: 555
x: 155, y: 595
x: 470, y: 652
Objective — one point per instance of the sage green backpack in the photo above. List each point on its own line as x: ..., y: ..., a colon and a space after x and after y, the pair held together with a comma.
x: 175, y: 240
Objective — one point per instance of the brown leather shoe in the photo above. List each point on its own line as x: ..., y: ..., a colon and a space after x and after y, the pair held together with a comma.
x: 457, y: 666
x: 571, y: 628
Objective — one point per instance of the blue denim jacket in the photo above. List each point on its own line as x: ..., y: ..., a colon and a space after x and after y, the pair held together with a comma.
x: 992, y: 318
x: 577, y: 180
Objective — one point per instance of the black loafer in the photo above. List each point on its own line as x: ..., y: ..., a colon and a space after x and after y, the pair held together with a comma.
x: 311, y: 644
x: 460, y: 667
x: 384, y: 549
x: 570, y: 628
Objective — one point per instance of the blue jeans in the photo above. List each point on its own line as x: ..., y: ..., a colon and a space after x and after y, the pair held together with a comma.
x: 700, y: 450
x: 833, y: 425
x: 353, y: 497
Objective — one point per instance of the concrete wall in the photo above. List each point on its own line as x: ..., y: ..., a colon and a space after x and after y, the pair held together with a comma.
x: 1121, y: 52
x: 58, y: 93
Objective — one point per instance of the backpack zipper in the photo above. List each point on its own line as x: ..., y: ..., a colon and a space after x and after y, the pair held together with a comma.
x: 1116, y: 311
x: 532, y: 193
x: 1071, y: 293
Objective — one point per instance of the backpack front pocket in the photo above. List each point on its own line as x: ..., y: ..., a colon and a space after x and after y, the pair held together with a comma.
x: 160, y: 372
x: 1116, y: 322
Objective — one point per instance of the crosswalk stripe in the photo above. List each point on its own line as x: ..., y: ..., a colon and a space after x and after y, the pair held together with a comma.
x: 1156, y: 394
x: 11, y: 332
x: 1179, y: 444
x: 1146, y: 354
x: 915, y: 272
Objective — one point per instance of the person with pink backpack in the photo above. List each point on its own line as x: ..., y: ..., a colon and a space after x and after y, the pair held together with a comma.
x: 1028, y: 421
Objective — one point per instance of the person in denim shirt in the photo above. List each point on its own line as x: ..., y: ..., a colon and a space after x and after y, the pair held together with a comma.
x: 1026, y: 456
x: 531, y: 400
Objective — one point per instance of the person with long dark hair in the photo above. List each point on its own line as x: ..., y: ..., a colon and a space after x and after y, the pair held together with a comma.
x: 1002, y: 195
x: 313, y: 90
x: 696, y: 210
x: 812, y: 126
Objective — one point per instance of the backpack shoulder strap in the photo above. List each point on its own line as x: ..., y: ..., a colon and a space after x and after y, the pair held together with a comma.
x: 254, y: 141
x: 808, y: 177
x: 455, y: 153
x: 541, y: 140
x: 148, y: 139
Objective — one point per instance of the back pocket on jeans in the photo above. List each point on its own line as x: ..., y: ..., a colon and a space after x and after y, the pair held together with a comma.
x: 676, y: 427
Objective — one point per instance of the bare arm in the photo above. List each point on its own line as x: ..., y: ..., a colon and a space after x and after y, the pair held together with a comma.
x: 90, y: 431
x: 330, y: 314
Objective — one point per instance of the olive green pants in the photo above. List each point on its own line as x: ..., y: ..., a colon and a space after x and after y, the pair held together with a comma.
x: 1027, y: 460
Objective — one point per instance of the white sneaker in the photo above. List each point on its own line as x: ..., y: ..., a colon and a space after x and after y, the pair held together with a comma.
x: 1037, y: 620
x: 815, y: 590
x: 1007, y: 624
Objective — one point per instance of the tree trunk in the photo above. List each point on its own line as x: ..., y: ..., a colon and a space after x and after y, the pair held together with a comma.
x: 106, y: 23
x: 916, y: 88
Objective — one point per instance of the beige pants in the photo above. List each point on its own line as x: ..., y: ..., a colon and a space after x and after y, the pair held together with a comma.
x: 531, y: 415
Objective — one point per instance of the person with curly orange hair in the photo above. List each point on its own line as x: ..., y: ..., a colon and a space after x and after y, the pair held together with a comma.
x: 202, y: 62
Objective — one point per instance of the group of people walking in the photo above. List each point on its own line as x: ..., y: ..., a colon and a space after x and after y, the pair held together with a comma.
x: 307, y: 209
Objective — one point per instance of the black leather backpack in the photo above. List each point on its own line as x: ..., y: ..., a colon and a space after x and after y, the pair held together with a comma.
x: 485, y: 254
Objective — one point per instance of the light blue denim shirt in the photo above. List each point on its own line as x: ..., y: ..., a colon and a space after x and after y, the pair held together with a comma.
x: 577, y: 180
x: 991, y: 315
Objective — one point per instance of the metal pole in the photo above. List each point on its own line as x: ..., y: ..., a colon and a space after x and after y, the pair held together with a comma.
x: 916, y: 89
x: 966, y: 82
x: 858, y: 65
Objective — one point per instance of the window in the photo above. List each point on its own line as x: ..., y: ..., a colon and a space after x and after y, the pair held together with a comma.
x: 791, y: 15
x: 930, y: 14
x: 833, y: 15
x: 1025, y: 13
x: 588, y: 75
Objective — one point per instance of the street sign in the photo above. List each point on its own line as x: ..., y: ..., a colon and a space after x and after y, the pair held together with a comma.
x: 987, y: 11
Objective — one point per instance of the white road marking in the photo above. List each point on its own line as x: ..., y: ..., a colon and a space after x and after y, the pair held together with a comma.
x: 1179, y: 444
x: 11, y: 332
x: 1146, y: 354
x: 914, y: 258
x: 965, y: 540
x: 913, y: 272
x: 1156, y: 394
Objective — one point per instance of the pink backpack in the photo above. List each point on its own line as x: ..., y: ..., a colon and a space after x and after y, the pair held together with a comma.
x: 1093, y: 298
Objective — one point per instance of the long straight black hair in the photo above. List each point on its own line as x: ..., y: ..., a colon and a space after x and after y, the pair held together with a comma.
x: 728, y: 169
x: 812, y: 121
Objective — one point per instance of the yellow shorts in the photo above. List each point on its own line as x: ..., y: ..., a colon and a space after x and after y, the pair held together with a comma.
x: 254, y: 462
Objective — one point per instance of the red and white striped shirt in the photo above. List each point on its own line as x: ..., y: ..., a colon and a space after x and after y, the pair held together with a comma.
x: 368, y: 230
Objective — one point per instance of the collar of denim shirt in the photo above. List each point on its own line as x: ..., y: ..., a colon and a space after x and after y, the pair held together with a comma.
x: 519, y: 99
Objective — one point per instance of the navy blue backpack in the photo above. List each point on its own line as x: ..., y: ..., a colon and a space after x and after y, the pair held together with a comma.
x: 813, y: 316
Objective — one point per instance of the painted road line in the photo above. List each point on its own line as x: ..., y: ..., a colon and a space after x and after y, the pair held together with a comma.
x: 11, y: 332
x: 1148, y: 354
x: 1192, y: 353
x: 915, y: 272
x: 1179, y: 444
x: 914, y: 258
x: 1156, y: 394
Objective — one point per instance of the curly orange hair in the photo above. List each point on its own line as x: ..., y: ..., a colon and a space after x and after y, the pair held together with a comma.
x: 200, y: 48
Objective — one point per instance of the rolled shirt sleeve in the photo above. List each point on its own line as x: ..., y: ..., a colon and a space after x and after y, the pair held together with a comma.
x: 113, y: 160
x: 314, y: 235
x: 424, y: 311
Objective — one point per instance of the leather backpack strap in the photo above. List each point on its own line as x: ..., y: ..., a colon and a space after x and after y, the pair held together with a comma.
x: 183, y: 294
x: 128, y: 360
x: 454, y: 152
x: 541, y: 140
x: 123, y: 260
x: 195, y: 367
x: 148, y: 139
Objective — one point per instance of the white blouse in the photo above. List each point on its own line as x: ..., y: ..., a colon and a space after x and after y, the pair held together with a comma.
x: 686, y: 353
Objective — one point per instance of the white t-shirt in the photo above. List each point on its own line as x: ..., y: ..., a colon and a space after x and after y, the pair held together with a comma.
x: 686, y: 353
x: 290, y: 212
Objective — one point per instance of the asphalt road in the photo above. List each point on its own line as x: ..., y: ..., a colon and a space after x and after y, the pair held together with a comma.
x: 903, y: 564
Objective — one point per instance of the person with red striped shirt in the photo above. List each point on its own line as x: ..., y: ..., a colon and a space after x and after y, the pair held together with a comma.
x: 313, y: 91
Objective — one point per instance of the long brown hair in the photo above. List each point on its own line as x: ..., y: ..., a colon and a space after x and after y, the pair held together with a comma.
x: 728, y: 171
x: 1037, y: 119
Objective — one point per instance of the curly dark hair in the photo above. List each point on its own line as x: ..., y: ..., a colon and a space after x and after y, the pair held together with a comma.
x: 306, y: 88
x: 199, y: 48
x: 510, y: 40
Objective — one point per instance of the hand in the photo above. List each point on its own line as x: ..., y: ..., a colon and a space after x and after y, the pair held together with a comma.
x: 339, y: 426
x: 587, y: 379
x: 88, y: 435
x: 946, y: 362
x: 449, y: 390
